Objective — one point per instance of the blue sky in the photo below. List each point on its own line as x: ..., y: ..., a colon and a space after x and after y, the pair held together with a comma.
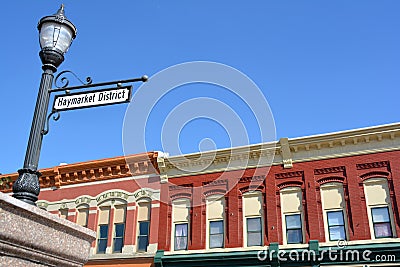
x: 322, y: 66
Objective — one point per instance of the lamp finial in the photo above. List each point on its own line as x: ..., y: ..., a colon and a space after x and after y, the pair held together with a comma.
x: 60, y: 12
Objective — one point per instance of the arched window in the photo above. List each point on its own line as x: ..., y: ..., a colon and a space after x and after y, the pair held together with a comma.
x: 180, y: 221
x: 215, y: 221
x: 379, y: 208
x: 334, y: 211
x: 143, y: 224
x: 292, y: 215
x: 253, y: 219
x: 111, y: 225
x: 103, y: 228
x: 119, y: 227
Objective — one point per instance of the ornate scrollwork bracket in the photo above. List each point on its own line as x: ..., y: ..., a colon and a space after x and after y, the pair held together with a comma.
x: 56, y: 117
x: 61, y: 83
x: 65, y: 81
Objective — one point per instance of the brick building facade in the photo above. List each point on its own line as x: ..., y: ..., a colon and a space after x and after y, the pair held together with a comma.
x: 328, y: 199
x: 332, y: 195
x: 104, y: 196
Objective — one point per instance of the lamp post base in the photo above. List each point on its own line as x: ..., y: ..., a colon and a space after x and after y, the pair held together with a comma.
x: 26, y: 188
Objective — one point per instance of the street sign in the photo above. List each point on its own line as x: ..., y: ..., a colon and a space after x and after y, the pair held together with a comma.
x: 93, y: 98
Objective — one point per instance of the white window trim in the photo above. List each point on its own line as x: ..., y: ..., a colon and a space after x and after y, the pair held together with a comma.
x: 291, y: 189
x: 244, y: 218
x: 284, y: 227
x: 326, y: 224
x: 108, y: 249
x: 142, y: 200
x: 113, y: 227
x: 371, y: 223
x: 377, y: 181
x: 208, y: 199
x: 178, y: 222
x: 333, y: 185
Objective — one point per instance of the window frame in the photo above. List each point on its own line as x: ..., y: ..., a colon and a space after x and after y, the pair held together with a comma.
x: 301, y: 228
x: 377, y: 223
x: 99, y: 238
x: 260, y: 232
x: 141, y: 235
x: 187, y: 236
x: 340, y: 225
x: 210, y: 235
x: 115, y: 237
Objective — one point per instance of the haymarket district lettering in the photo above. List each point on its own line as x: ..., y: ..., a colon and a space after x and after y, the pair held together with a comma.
x: 75, y: 101
x: 93, y: 98
x: 105, y: 96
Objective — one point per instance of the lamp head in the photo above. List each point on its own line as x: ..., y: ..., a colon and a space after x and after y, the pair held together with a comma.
x: 56, y: 34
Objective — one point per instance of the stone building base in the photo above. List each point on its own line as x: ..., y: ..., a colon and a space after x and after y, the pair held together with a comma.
x: 30, y: 236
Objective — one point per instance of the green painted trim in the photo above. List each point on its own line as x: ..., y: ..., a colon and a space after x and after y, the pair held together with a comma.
x: 250, y: 259
x: 313, y: 245
x: 158, y: 257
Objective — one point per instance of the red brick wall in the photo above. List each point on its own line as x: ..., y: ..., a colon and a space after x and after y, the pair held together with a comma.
x: 308, y: 175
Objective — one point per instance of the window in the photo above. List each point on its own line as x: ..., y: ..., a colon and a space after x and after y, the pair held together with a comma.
x: 217, y: 234
x: 215, y: 219
x: 253, y: 211
x: 379, y: 208
x: 143, y: 237
x: 181, y: 236
x: 381, y: 222
x: 336, y: 227
x: 254, y: 233
x: 102, y: 239
x: 294, y: 232
x: 180, y: 220
x: 119, y: 237
x: 119, y: 228
x: 291, y: 206
x: 334, y: 211
x: 143, y: 226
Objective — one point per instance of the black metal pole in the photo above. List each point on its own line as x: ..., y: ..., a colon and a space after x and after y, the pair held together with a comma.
x: 26, y: 187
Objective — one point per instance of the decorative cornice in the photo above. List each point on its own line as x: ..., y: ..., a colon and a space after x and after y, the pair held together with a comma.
x: 290, y: 184
x: 252, y: 178
x: 372, y: 165
x: 180, y: 187
x: 374, y: 174
x: 286, y: 153
x: 289, y: 151
x: 215, y: 183
x: 90, y: 171
x: 181, y: 195
x: 331, y: 179
x: 113, y: 196
x: 329, y: 170
x: 289, y: 175
x: 214, y: 192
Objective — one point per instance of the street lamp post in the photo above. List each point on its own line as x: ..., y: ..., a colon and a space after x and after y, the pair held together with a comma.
x: 56, y: 33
